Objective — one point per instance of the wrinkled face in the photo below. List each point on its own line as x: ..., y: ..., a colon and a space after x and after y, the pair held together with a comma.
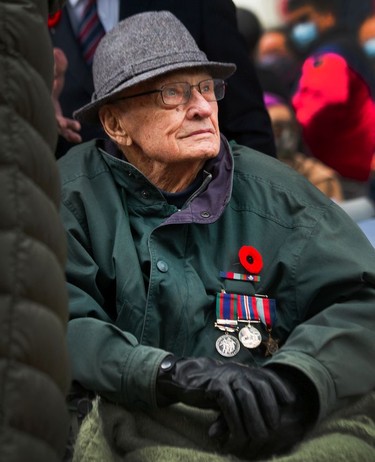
x: 169, y: 134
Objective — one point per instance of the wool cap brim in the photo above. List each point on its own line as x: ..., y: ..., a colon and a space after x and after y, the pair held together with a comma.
x: 140, y: 48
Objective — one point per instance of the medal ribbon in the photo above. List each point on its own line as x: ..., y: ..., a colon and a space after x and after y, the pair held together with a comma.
x: 239, y: 276
x: 251, y: 308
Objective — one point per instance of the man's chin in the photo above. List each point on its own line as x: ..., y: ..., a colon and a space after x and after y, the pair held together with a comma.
x: 206, y: 149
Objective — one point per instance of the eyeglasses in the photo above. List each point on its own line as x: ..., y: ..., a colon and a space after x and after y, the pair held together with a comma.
x: 176, y: 93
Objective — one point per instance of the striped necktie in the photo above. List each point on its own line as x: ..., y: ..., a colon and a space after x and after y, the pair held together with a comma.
x: 90, y: 31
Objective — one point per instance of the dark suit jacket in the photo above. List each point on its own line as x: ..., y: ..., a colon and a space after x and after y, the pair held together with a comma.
x: 213, y: 25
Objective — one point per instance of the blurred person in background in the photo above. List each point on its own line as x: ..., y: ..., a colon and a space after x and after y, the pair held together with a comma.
x: 334, y: 98
x: 287, y: 139
x: 269, y: 50
x: 275, y: 54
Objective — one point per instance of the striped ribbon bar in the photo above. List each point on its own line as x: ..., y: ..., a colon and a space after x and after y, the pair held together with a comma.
x: 239, y: 276
x: 246, y: 307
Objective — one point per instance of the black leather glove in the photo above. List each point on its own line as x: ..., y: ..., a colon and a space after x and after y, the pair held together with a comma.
x: 252, y: 400
x: 295, y: 419
x: 186, y: 381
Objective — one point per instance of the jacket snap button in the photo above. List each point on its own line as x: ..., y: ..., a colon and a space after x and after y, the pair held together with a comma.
x: 205, y: 214
x: 145, y: 194
x: 162, y: 266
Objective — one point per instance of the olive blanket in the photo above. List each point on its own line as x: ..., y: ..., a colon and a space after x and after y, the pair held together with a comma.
x: 110, y: 433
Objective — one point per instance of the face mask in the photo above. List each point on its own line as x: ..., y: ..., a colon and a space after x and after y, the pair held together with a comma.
x: 369, y: 48
x: 304, y: 34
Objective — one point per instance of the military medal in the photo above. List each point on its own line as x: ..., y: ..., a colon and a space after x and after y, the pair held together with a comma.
x: 227, y: 345
x: 252, y: 310
x: 266, y: 309
x: 250, y: 337
x: 271, y: 344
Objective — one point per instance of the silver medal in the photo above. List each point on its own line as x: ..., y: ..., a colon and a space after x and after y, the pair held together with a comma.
x: 250, y: 337
x: 227, y: 345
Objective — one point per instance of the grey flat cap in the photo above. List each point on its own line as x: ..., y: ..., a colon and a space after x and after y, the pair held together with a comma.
x: 139, y: 48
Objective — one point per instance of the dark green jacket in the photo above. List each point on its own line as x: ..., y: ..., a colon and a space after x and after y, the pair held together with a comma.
x: 143, y: 275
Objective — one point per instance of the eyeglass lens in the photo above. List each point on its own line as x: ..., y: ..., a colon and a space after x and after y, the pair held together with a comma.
x: 180, y: 92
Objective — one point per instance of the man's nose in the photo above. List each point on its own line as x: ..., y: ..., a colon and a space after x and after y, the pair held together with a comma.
x: 198, y: 101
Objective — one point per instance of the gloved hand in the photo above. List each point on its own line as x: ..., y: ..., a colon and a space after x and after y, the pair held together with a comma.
x: 186, y: 381
x: 252, y: 400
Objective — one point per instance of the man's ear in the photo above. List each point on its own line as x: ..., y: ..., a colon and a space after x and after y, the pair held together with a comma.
x: 109, y: 117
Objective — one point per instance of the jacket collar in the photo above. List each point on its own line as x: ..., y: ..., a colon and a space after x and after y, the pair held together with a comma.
x: 204, y: 206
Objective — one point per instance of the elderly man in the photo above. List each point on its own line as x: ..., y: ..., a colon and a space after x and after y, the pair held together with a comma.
x: 200, y: 271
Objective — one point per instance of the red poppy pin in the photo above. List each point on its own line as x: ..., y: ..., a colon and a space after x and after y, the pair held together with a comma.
x: 250, y: 259
x: 53, y: 19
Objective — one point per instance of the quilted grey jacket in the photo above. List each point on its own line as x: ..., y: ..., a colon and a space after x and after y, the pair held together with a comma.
x: 34, y: 372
